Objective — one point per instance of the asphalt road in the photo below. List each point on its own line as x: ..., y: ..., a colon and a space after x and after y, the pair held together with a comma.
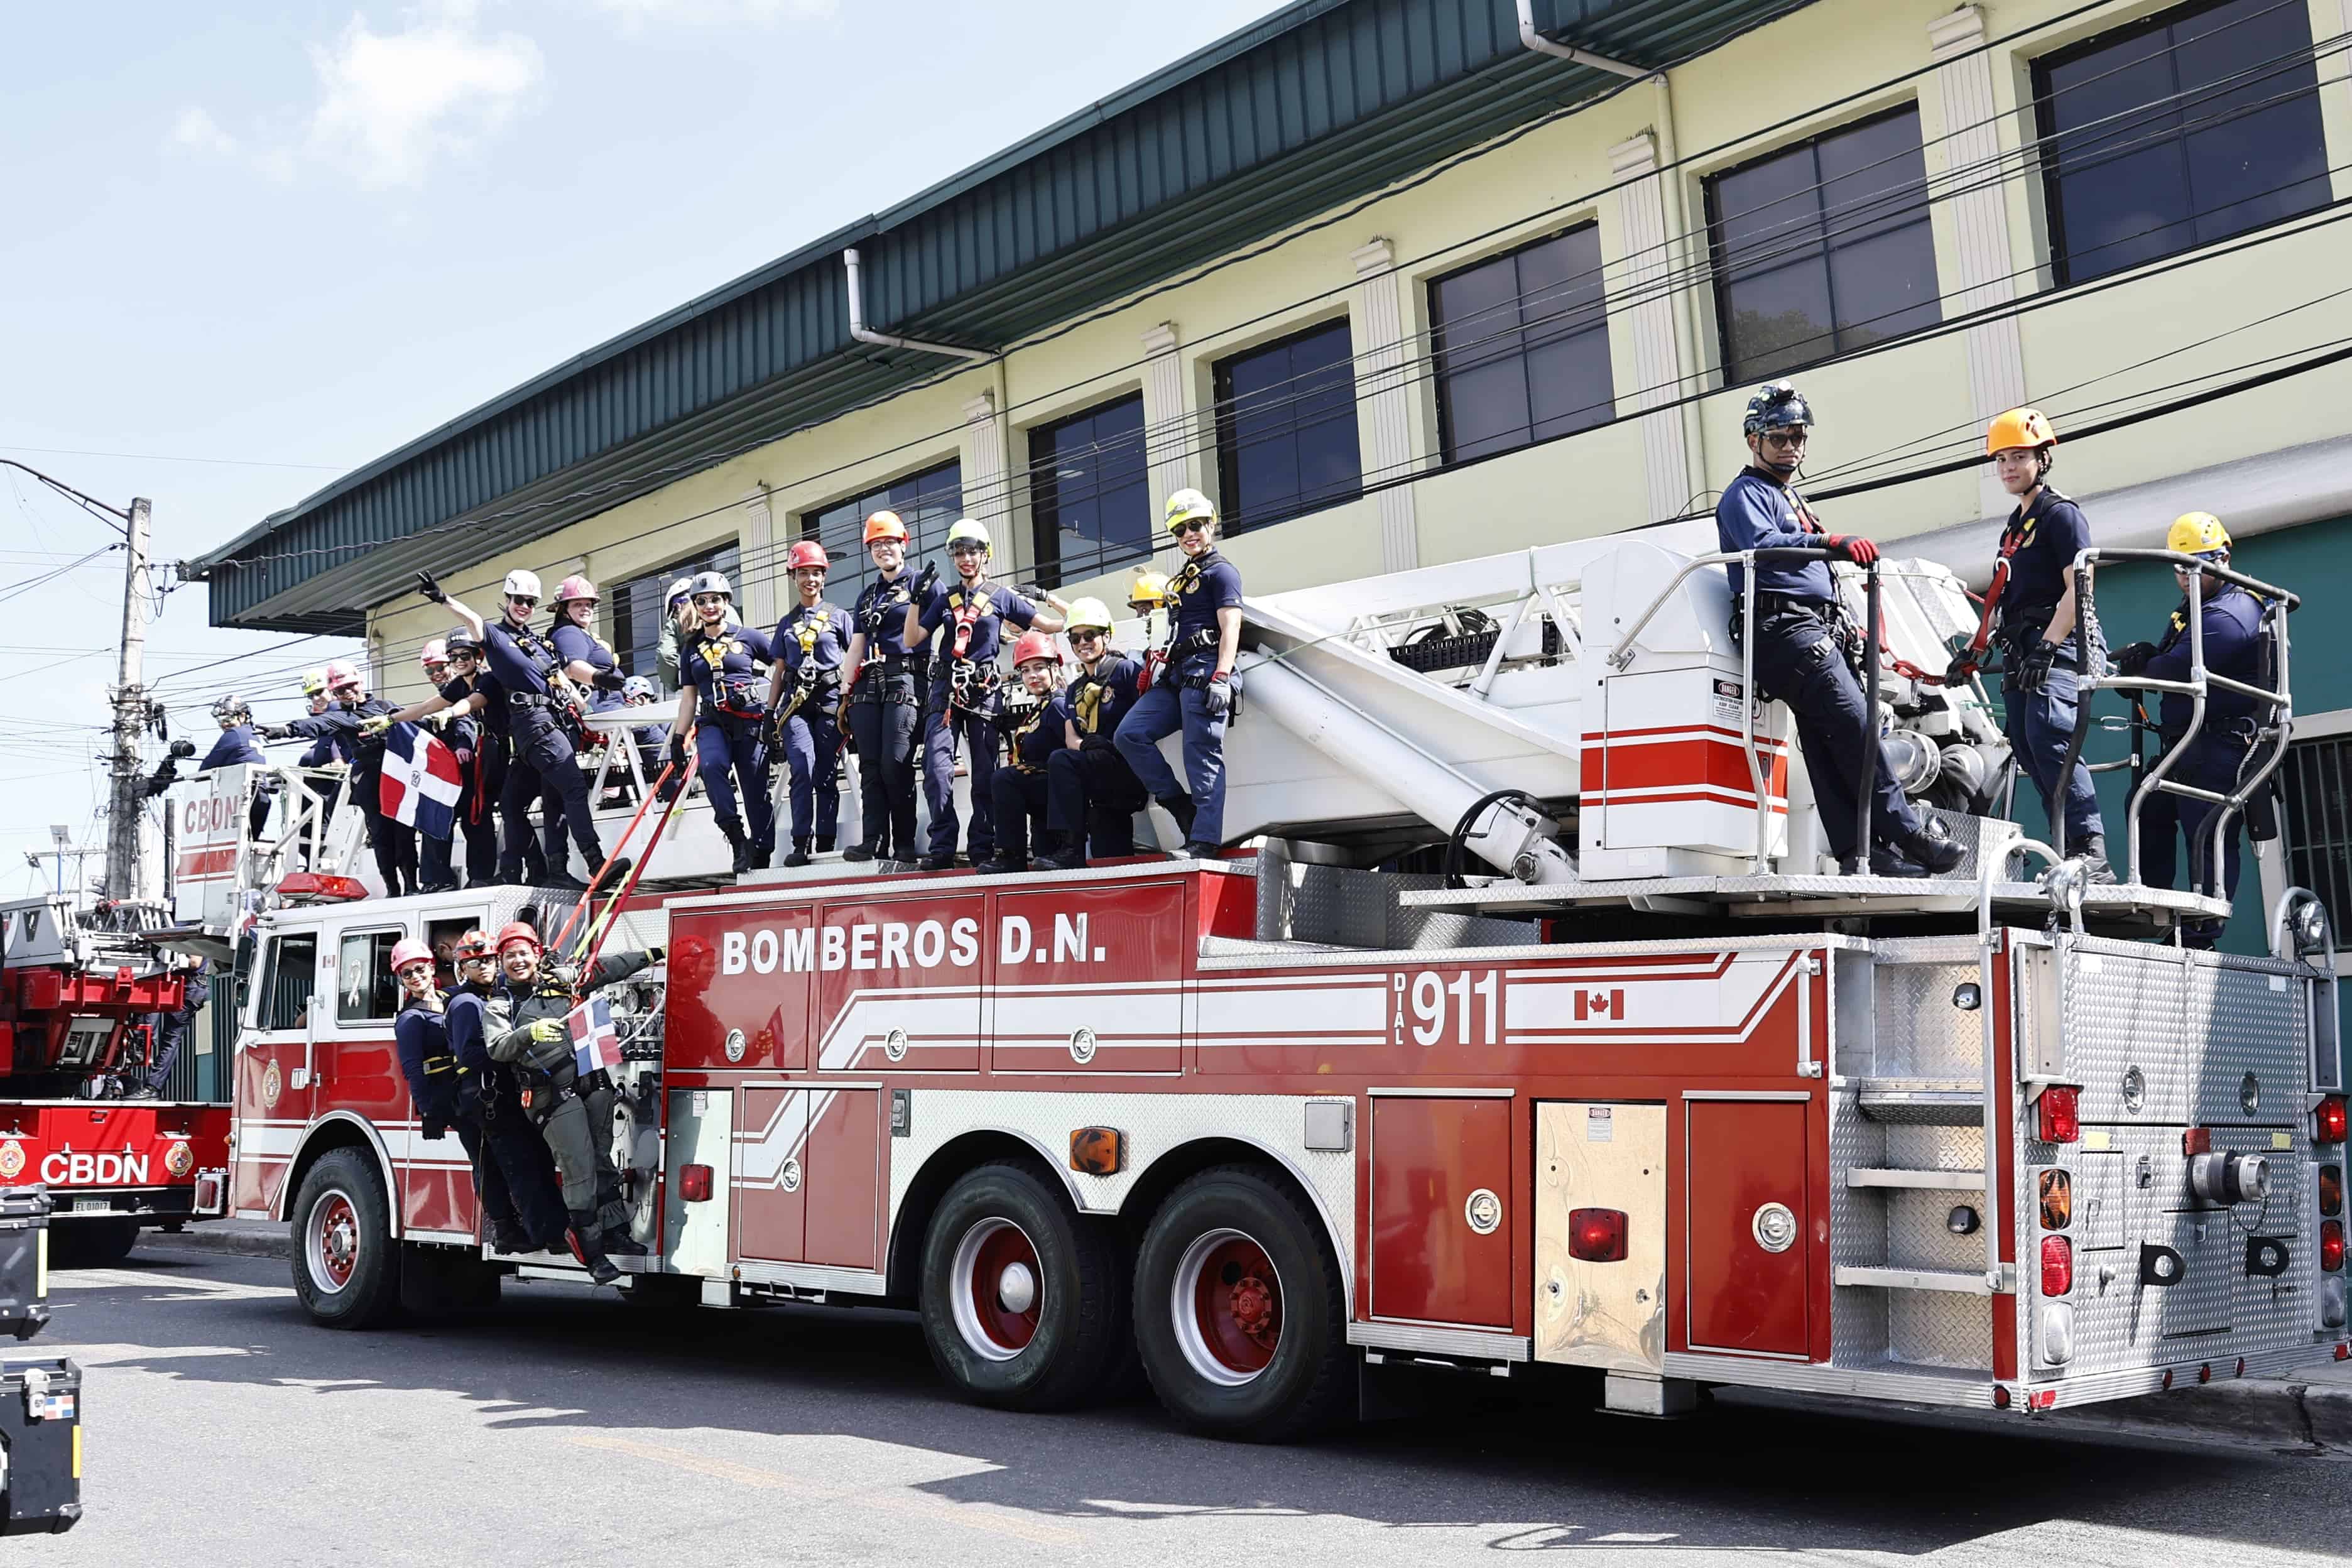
x: 223, y: 1428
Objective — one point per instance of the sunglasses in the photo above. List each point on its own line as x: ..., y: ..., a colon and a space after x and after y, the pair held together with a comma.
x: 1787, y: 440
x: 1191, y: 525
x: 525, y: 600
x: 967, y: 549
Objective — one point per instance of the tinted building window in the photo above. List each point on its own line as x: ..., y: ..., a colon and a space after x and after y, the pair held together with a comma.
x: 1823, y: 248
x: 2200, y: 125
x: 2317, y: 780
x: 1286, y: 428
x: 1088, y: 491
x: 1522, y: 346
x: 928, y: 503
x: 636, y: 606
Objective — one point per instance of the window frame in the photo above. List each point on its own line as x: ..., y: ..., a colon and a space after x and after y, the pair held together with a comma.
x: 1232, y: 516
x: 868, y: 499
x: 369, y: 933
x: 1046, y: 564
x: 263, y: 1021
x: 624, y: 647
x: 1720, y: 264
x: 1440, y: 373
x: 2046, y: 135
x: 2276, y: 870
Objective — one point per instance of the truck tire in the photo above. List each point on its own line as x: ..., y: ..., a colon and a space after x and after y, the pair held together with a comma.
x: 346, y: 1268
x: 1240, y: 1315
x: 1023, y: 1303
x: 92, y: 1243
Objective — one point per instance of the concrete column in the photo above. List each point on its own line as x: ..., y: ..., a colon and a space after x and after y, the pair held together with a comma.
x: 1982, y: 252
x: 764, y: 559
x: 1383, y: 410
x: 987, y: 494
x: 1657, y: 349
x: 1175, y: 433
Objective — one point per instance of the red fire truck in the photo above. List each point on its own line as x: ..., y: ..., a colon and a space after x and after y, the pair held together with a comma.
x: 78, y: 994
x: 1535, y: 1033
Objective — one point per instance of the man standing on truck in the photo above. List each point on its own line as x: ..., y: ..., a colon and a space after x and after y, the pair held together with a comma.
x: 574, y: 1113
x: 512, y: 1174
x: 1801, y: 627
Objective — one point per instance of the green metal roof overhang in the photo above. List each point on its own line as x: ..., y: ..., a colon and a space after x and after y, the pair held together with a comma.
x: 1324, y: 101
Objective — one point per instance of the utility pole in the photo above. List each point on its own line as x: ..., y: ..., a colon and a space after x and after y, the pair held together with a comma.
x: 126, y: 809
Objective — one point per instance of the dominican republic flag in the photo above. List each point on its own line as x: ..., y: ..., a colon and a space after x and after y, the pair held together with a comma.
x: 422, y: 785
x: 595, y: 1044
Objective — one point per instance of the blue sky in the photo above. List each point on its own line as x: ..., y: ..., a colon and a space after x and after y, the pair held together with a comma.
x: 285, y: 238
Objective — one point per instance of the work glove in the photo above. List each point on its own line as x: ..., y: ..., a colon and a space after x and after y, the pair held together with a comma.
x: 1217, y: 697
x: 609, y: 680
x: 430, y: 589
x: 2033, y: 675
x: 1852, y: 546
x: 273, y: 732
x: 1959, y: 670
x: 2135, y: 656
x: 434, y: 1130
x: 547, y: 1031
x: 928, y: 580
x: 375, y: 723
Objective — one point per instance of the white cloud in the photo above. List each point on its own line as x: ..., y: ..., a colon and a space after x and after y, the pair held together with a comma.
x: 197, y: 132
x: 391, y: 102
x: 635, y: 14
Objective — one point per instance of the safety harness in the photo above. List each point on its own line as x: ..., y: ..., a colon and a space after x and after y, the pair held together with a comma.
x: 808, y: 679
x: 732, y: 694
x: 881, y: 600
x: 970, y: 682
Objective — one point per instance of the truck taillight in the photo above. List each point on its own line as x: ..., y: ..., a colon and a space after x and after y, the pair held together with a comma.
x: 694, y: 1184
x: 2331, y: 1189
x: 1597, y: 1235
x: 2328, y: 1120
x: 2060, y: 1114
x: 2057, y: 1265
x: 2331, y: 1245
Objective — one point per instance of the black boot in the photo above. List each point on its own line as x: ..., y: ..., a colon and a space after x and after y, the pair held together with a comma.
x: 857, y: 852
x: 582, y: 1239
x: 1000, y: 864
x: 800, y: 855
x: 764, y: 854
x: 1932, y: 848
x: 1180, y: 807
x: 1070, y: 856
x: 824, y: 843
x: 740, y: 845
x: 619, y: 1243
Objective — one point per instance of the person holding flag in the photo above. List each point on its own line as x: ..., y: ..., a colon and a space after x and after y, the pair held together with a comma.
x: 513, y: 1173
x: 436, y: 1081
x: 530, y: 1031
x: 422, y: 788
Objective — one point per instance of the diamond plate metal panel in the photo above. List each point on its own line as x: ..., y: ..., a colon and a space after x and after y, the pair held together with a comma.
x: 2126, y: 1012
x: 1920, y: 1034
x: 1857, y: 1234
x: 2247, y: 1024
x: 1939, y: 1328
x: 1154, y: 1124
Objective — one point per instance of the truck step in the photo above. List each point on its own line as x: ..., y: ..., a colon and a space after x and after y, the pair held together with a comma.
x: 1912, y: 1279
x: 1933, y: 1102
x: 1940, y: 1180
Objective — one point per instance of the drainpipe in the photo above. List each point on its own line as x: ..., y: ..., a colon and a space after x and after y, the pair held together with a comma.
x: 1543, y: 45
x: 857, y: 329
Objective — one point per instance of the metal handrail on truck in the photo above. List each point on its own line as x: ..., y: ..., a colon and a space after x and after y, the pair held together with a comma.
x: 2278, y: 603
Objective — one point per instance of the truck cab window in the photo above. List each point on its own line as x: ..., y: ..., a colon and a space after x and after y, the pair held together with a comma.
x: 365, y: 991
x: 291, y: 976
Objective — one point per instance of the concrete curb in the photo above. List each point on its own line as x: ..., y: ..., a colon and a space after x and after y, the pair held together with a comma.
x: 247, y: 1240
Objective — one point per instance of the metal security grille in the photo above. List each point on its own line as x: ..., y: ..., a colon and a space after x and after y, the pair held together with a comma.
x: 2317, y: 781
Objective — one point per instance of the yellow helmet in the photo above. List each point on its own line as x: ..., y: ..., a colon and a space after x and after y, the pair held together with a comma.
x: 1149, y: 587
x: 972, y: 529
x: 1187, y: 504
x: 1088, y: 615
x: 314, y: 683
x: 2019, y: 427
x: 2197, y: 533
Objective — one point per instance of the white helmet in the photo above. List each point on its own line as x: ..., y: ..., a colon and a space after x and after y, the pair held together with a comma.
x: 522, y: 584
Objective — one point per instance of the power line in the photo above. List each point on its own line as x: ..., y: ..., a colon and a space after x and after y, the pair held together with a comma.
x: 166, y: 457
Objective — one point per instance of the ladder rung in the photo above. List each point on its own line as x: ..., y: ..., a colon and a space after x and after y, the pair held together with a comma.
x: 1889, y: 1176
x: 1913, y: 1280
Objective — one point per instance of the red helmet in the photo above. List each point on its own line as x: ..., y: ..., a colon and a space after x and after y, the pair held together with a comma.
x: 342, y: 673
x: 1034, y: 645
x: 434, y: 652
x: 473, y: 943
x: 409, y: 951
x: 807, y: 552
x: 884, y: 525
x: 573, y: 587
x: 517, y: 930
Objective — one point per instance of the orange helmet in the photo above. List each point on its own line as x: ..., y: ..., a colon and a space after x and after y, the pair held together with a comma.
x: 884, y: 525
x: 2019, y: 427
x: 517, y: 930
x: 809, y: 553
x: 1034, y: 645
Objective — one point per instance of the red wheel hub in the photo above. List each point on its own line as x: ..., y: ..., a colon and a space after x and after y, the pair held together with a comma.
x: 1004, y: 1284
x: 1237, y: 1302
x: 339, y: 1240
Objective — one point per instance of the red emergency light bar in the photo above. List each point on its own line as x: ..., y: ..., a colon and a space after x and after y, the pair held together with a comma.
x: 313, y: 887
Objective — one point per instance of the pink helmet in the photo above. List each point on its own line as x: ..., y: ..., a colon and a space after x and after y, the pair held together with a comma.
x: 434, y: 652
x: 573, y: 587
x: 342, y: 672
x: 407, y: 951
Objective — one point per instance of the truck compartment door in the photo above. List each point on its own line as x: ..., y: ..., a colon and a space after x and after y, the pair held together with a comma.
x: 845, y: 1177
x: 771, y: 1169
x: 1440, y: 1188
x: 1748, y: 1225
x: 1087, y: 980
x: 897, y: 985
x: 1600, y: 1236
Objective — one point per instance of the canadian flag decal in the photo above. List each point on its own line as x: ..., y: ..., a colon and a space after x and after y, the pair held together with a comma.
x: 1600, y: 1005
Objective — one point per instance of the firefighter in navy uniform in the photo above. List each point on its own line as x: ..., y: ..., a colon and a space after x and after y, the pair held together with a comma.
x: 574, y: 1114
x: 1033, y: 731
x: 514, y: 1176
x: 236, y: 744
x: 719, y: 685
x: 1193, y: 687
x: 970, y: 619
x: 2216, y: 757
x: 1798, y: 656
x: 476, y: 731
x: 881, y: 707
x: 2033, y: 623
x: 436, y: 1081
x: 1092, y: 793
x: 810, y: 644
x: 350, y: 722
